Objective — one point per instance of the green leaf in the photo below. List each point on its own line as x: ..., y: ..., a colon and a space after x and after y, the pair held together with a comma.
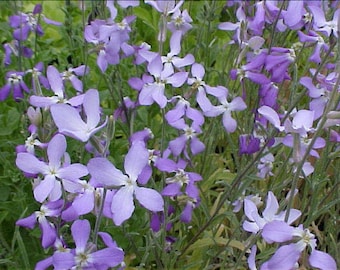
x: 9, y: 121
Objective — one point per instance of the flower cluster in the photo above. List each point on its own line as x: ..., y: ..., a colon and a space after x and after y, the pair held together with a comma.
x: 165, y: 109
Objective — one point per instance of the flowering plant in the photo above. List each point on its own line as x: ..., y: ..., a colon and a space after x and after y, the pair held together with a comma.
x: 148, y: 133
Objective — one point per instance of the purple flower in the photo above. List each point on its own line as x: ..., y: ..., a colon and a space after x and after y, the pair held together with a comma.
x: 154, y: 91
x: 56, y: 83
x: 320, y: 23
x: 270, y: 213
x: 83, y: 201
x: 171, y: 61
x: 180, y: 21
x: 38, y: 78
x: 15, y: 83
x: 166, y: 7
x: 71, y: 75
x: 249, y: 144
x: 226, y: 107
x: 13, y: 48
x: 85, y: 255
x: 319, y: 42
x: 178, y: 145
x: 277, y: 63
x: 320, y: 95
x: 75, y: 127
x: 106, y: 174
x: 54, y: 171
x: 239, y: 27
x: 265, y: 165
x: 287, y: 256
x: 26, y: 23
x: 49, y: 233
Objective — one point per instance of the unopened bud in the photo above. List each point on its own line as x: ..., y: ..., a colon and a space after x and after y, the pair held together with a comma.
x: 34, y: 115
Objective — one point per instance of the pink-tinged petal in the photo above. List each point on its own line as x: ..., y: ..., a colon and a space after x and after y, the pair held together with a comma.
x: 27, y: 222
x: 271, y: 207
x: 277, y: 231
x: 272, y: 116
x: 284, y: 258
x: 122, y: 205
x: 172, y: 189
x: 73, y: 171
x: 63, y: 260
x: 322, y: 260
x: 136, y: 159
x: 108, y: 256
x: 84, y: 203
x: 44, y: 188
x: 74, y: 126
x: 30, y: 164
x: 197, y: 70
x: 105, y: 172
x: 49, y: 234
x: 56, y: 150
x: 229, y: 123
x: 81, y: 232
x: 55, y: 81
x: 91, y: 107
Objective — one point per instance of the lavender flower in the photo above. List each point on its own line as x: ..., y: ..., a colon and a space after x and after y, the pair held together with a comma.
x: 15, y: 83
x: 287, y: 256
x: 49, y: 233
x: 54, y: 171
x: 106, y: 174
x: 85, y: 255
x: 154, y: 92
x: 75, y: 127
x: 270, y: 213
x: 56, y: 83
x: 226, y: 107
x: 26, y: 23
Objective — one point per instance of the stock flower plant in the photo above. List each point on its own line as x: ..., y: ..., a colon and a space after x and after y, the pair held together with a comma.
x: 116, y: 118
